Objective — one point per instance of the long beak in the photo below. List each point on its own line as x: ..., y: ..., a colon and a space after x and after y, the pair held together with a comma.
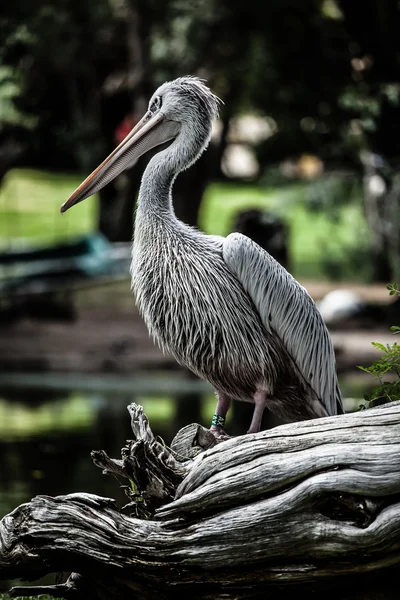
x: 151, y: 131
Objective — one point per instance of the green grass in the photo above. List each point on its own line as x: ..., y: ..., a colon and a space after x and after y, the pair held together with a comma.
x: 322, y: 245
x: 30, y: 208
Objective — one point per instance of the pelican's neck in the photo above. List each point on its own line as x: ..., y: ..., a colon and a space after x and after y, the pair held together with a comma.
x: 155, y: 194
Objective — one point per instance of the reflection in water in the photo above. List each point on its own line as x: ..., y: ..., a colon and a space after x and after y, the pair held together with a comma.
x: 46, y: 436
x: 48, y: 427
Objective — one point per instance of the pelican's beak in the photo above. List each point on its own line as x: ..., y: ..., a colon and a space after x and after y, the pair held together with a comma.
x: 151, y: 131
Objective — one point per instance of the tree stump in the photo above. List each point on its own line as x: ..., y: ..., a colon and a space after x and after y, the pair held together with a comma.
x: 305, y: 503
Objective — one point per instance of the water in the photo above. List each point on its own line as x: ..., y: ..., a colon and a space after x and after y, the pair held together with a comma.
x: 49, y: 424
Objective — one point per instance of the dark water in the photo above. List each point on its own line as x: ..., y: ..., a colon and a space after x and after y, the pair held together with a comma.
x: 49, y: 424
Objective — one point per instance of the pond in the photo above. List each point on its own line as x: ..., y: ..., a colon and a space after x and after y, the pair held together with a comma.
x: 50, y: 423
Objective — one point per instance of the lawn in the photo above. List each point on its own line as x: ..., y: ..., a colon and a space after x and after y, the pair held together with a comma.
x: 30, y: 208
x: 323, y: 244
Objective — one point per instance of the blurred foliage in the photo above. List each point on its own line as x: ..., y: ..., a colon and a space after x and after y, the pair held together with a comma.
x: 387, y: 365
x: 60, y: 54
x: 30, y: 203
x: 10, y: 88
x: 320, y: 247
x: 324, y: 72
x: 313, y: 66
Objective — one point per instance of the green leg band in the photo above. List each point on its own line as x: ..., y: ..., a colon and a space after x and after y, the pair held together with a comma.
x: 218, y: 421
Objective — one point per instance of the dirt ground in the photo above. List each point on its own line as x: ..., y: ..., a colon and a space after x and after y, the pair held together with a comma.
x: 108, y: 335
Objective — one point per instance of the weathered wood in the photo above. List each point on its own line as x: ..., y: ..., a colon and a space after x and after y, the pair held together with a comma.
x: 305, y: 501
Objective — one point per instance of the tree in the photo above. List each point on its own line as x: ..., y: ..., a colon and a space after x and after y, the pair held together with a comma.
x: 373, y: 102
x: 327, y: 77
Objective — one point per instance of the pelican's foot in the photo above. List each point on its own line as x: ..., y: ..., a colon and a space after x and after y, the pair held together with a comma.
x: 219, y: 433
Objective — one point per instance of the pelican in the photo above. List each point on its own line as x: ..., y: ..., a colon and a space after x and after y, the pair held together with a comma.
x: 223, y: 307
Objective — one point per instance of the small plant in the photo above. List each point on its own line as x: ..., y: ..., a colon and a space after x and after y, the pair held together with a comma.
x: 387, y: 364
x: 393, y: 289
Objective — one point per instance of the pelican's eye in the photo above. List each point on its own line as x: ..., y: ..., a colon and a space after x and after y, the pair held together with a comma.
x: 155, y: 105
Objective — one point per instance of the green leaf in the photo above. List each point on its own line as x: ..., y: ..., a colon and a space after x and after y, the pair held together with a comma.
x: 365, y: 369
x: 379, y: 346
x: 387, y: 364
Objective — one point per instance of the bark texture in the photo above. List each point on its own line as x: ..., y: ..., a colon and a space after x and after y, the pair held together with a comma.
x: 309, y: 501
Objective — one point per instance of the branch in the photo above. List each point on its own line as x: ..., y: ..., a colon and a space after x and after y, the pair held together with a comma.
x: 153, y: 469
x: 312, y: 499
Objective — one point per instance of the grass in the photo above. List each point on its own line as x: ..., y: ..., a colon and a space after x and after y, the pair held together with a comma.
x: 329, y: 245
x: 322, y: 244
x: 30, y: 208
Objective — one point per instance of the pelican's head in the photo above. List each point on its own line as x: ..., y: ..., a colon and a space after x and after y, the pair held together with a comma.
x: 183, y: 108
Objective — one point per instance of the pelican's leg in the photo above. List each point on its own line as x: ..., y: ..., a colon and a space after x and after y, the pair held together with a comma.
x: 260, y: 402
x: 218, y: 420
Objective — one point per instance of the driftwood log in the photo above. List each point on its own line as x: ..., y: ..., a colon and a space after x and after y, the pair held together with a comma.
x: 309, y: 503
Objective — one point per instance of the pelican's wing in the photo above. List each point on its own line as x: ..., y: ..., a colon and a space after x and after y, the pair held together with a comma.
x: 287, y: 310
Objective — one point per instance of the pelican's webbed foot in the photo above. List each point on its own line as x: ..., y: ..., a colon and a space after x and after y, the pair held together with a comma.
x: 219, y: 433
